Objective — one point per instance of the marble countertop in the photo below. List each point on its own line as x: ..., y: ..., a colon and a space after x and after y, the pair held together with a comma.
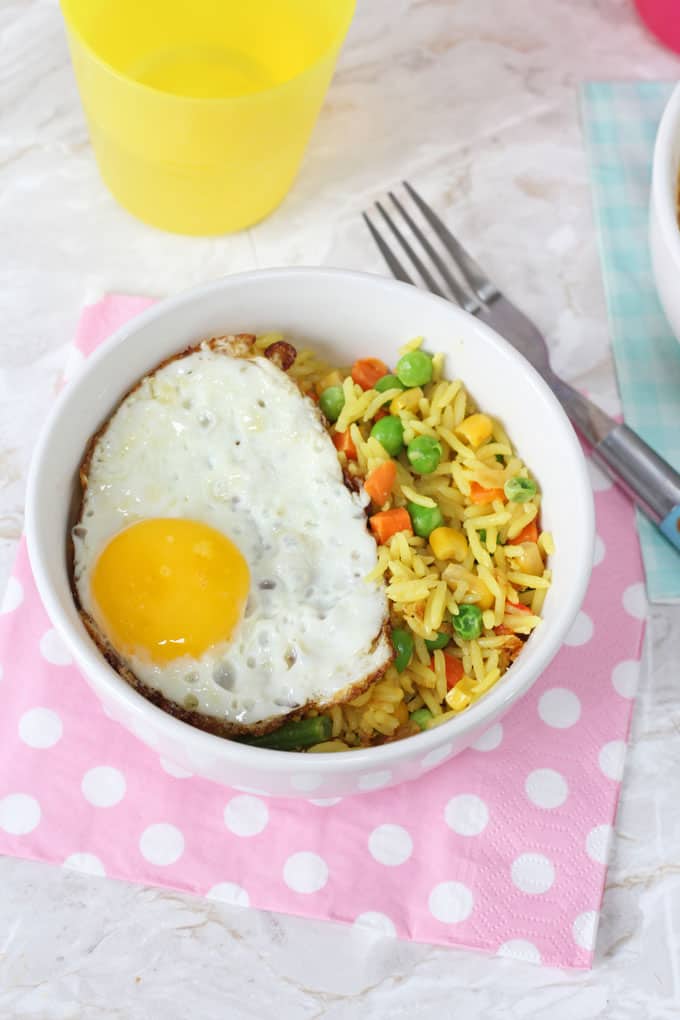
x: 476, y: 103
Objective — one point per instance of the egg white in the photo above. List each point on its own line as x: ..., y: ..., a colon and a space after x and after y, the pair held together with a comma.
x: 232, y: 443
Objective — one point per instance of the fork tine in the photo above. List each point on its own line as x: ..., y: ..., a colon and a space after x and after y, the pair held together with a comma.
x: 465, y: 300
x: 427, y: 276
x: 485, y: 290
x: 391, y: 259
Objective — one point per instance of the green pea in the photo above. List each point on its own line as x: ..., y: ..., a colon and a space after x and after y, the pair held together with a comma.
x: 388, y: 382
x: 402, y: 641
x: 440, y: 641
x: 424, y: 518
x: 468, y: 623
x: 482, y: 534
x: 424, y: 454
x: 421, y: 717
x: 519, y: 489
x: 414, y: 368
x: 332, y: 401
x: 389, y: 432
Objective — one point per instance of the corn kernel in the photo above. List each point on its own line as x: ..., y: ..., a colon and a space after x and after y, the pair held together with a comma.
x: 456, y: 700
x: 476, y: 429
x: 485, y: 599
x: 406, y: 401
x: 448, y: 544
x: 401, y: 713
x: 530, y: 560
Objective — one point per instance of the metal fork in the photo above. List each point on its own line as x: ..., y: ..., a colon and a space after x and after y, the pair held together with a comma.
x: 652, y: 483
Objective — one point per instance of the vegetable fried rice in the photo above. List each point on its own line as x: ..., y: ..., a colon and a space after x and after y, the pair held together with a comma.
x: 456, y: 517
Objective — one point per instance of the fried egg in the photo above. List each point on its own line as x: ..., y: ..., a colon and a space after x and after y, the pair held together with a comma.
x: 218, y: 550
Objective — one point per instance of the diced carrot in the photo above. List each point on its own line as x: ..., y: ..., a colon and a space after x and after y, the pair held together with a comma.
x: 367, y: 371
x: 454, y: 670
x: 386, y: 523
x: 480, y: 495
x: 528, y: 534
x: 379, y: 483
x: 518, y: 607
x: 344, y: 443
x: 501, y: 629
x: 381, y: 413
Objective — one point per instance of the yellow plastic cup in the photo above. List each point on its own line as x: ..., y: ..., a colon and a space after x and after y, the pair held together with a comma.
x: 200, y: 110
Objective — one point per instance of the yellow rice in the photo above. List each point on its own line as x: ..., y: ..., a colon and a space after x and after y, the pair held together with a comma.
x: 424, y: 593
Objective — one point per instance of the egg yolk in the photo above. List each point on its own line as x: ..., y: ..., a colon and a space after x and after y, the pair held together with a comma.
x: 168, y: 587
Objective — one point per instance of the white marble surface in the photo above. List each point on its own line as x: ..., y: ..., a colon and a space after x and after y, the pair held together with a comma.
x: 475, y: 102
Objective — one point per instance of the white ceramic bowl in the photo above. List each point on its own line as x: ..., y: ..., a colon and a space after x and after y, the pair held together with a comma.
x: 343, y: 315
x: 664, y: 232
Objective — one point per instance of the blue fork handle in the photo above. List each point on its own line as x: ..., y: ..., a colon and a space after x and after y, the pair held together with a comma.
x: 650, y: 481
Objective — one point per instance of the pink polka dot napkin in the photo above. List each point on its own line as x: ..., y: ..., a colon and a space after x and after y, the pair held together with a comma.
x: 503, y: 849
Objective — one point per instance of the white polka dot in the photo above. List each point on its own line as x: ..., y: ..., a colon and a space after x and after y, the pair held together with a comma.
x: 174, y: 770
x: 598, y: 841
x: 246, y: 815
x: 374, y: 780
x: 612, y: 757
x: 103, y: 786
x: 326, y: 801
x: 53, y: 650
x: 74, y: 361
x: 532, y: 873
x: 559, y: 708
x: 580, y: 632
x: 305, y: 872
x: 88, y: 864
x: 40, y: 728
x: 375, y: 922
x: 13, y: 597
x: 436, y: 756
x: 390, y: 845
x: 161, y: 844
x: 489, y: 740
x: 466, y: 814
x: 229, y: 892
x: 635, y: 600
x: 598, y: 479
x: 599, y: 551
x: 450, y: 902
x: 584, y: 929
x: 546, y: 788
x: 19, y: 814
x: 306, y: 783
x: 520, y: 949
x: 625, y: 678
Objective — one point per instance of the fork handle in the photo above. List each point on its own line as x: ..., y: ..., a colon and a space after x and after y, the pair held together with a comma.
x: 651, y: 482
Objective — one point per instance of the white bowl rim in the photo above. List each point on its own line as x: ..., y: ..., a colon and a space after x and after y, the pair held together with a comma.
x: 665, y: 178
x: 518, y: 680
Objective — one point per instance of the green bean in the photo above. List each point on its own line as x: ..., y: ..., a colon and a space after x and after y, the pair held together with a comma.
x: 294, y: 735
x: 403, y: 647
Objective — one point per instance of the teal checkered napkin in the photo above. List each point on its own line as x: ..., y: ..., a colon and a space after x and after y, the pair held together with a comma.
x: 620, y: 121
